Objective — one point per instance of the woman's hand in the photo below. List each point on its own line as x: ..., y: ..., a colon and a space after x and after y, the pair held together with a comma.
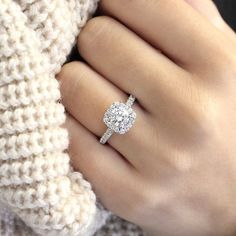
x: 174, y: 172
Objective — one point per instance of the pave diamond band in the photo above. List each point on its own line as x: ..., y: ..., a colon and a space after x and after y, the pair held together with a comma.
x: 119, y: 118
x: 106, y: 136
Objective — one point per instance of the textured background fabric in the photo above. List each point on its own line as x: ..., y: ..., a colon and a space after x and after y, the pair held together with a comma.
x: 37, y: 181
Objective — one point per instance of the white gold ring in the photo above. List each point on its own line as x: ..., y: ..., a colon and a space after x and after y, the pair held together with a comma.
x: 119, y: 118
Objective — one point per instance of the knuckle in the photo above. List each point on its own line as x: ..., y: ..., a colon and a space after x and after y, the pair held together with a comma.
x: 92, y: 32
x: 143, y: 200
x: 228, y: 65
x: 221, y: 72
x: 224, y: 60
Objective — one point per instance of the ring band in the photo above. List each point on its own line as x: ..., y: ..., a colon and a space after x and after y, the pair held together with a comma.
x: 118, y: 118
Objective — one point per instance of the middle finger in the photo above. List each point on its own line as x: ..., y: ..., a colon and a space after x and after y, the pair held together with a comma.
x: 130, y: 63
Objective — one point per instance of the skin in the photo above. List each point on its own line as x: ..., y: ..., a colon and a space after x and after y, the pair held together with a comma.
x: 174, y: 172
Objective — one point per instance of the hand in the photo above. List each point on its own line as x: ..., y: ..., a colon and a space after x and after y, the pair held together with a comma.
x: 174, y: 172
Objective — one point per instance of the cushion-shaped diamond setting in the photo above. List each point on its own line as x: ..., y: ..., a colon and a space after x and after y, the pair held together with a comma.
x: 119, y: 117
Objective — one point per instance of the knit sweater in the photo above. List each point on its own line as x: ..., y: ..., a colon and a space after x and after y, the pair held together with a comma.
x: 38, y: 185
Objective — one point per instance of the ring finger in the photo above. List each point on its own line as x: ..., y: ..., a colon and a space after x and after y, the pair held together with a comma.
x: 86, y: 96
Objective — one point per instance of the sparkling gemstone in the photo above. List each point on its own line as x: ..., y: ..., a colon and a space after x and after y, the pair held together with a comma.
x: 119, y: 117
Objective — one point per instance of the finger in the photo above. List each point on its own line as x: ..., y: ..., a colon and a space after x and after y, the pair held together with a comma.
x: 86, y: 96
x: 208, y: 9
x: 172, y: 26
x: 129, y: 62
x: 112, y: 178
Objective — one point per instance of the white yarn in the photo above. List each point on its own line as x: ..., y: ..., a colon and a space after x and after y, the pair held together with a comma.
x: 36, y: 179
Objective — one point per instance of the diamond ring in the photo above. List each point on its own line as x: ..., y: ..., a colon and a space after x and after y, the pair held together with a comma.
x: 119, y: 118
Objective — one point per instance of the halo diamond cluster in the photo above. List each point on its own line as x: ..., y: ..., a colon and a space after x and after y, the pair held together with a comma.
x: 119, y: 118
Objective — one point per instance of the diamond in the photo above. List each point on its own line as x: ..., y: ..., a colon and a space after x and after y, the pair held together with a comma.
x: 119, y: 117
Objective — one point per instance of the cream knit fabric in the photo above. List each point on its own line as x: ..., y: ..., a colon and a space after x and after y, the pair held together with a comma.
x: 11, y: 225
x: 36, y: 179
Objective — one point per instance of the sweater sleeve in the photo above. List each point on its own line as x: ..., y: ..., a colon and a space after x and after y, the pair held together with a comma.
x: 37, y: 181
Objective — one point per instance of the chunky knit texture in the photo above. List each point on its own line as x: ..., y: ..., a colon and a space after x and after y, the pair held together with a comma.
x: 10, y: 225
x: 36, y: 179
